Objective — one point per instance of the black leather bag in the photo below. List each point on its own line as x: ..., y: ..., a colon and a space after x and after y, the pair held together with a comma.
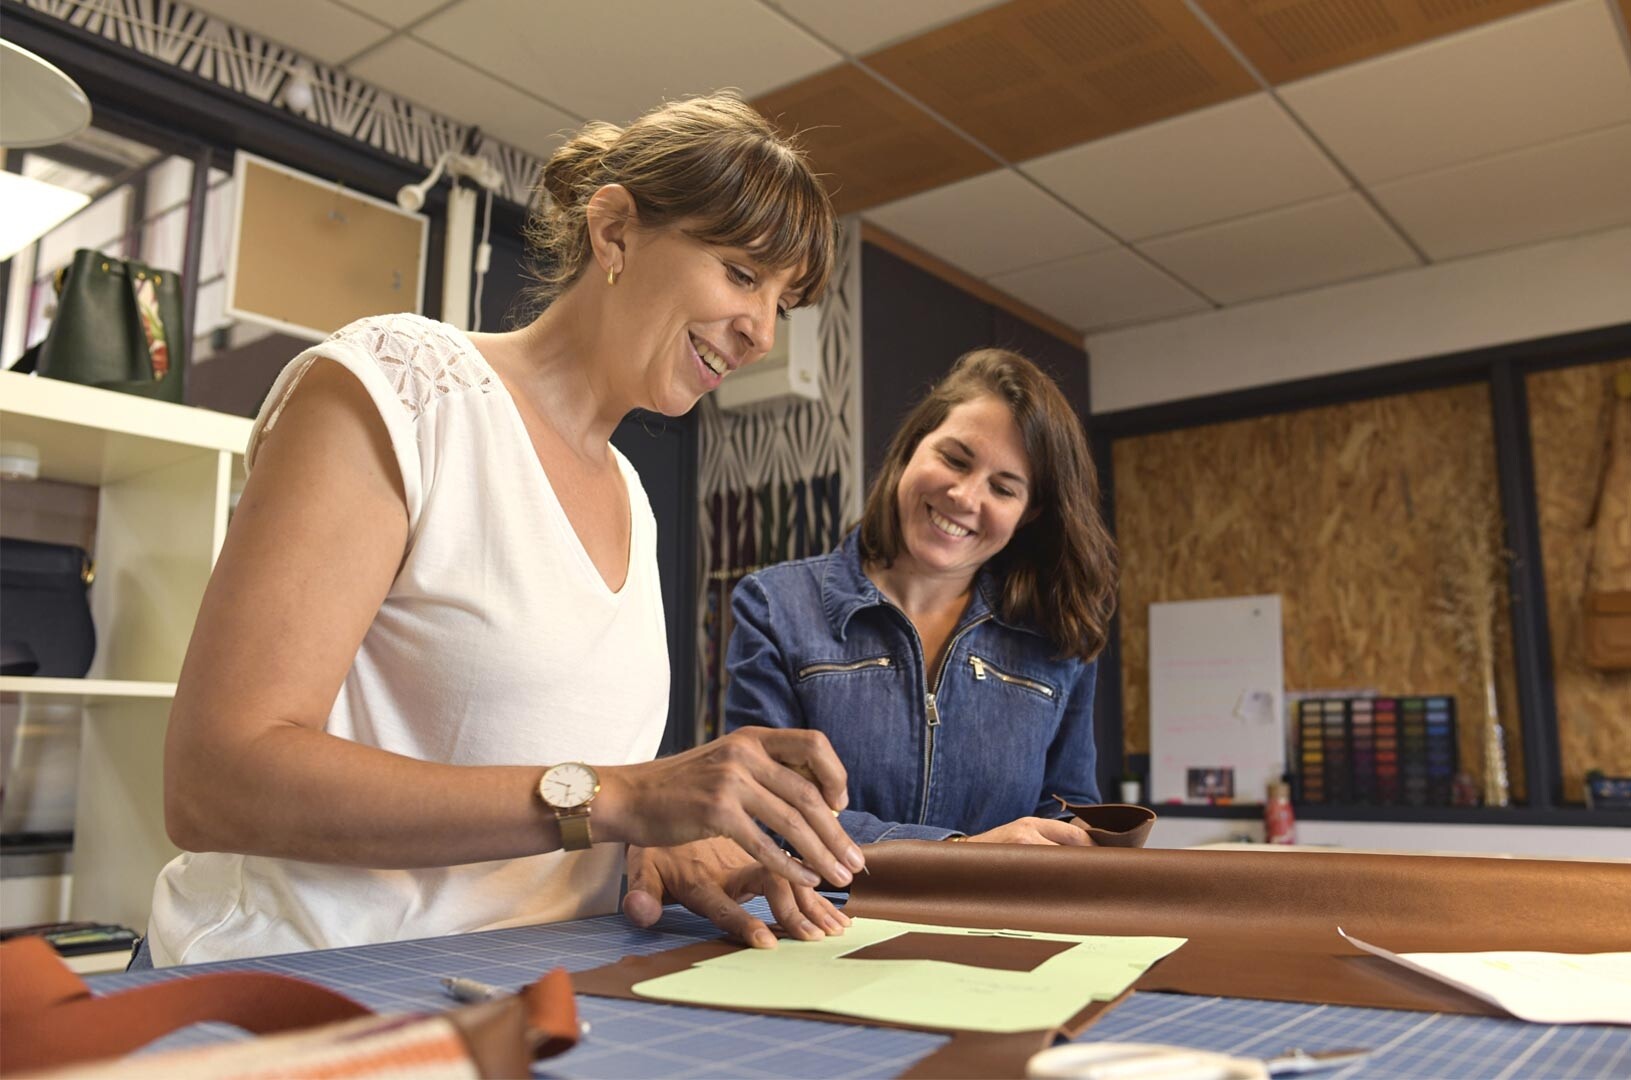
x: 45, y: 609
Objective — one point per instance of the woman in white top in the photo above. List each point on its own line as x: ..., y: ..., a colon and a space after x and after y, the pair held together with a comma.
x: 438, y: 599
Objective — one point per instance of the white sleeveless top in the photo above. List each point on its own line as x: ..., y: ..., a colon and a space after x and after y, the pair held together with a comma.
x: 499, y: 643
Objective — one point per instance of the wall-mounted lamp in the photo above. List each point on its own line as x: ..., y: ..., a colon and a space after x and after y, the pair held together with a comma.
x: 461, y: 227
x: 477, y: 170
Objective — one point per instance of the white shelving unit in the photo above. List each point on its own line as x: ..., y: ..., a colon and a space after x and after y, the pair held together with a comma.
x: 165, y: 475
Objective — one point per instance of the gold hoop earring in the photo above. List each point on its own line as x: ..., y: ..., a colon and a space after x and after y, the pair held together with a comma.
x: 611, y: 275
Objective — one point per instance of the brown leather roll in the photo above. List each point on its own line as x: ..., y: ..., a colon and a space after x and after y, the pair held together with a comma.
x: 1263, y: 924
x: 1259, y: 924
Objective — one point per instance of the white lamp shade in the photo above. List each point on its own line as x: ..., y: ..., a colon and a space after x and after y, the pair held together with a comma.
x: 31, y: 208
x: 43, y: 105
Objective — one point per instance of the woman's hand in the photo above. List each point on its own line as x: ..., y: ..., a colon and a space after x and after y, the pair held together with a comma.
x: 791, y: 781
x: 1035, y: 830
x: 712, y: 878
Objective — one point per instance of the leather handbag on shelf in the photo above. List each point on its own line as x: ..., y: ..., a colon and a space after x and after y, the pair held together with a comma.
x: 53, y: 1022
x: 118, y: 326
x: 45, y: 609
x: 1606, y: 601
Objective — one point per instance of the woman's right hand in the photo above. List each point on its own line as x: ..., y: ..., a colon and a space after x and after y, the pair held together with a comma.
x: 789, y: 780
x: 1035, y: 830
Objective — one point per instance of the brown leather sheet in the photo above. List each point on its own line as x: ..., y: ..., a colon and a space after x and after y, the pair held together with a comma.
x: 1259, y: 924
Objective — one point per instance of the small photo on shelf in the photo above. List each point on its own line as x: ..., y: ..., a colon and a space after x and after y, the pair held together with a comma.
x: 1214, y: 785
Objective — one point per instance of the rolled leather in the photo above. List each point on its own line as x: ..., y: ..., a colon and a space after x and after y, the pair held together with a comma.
x: 1264, y: 924
x: 1259, y: 924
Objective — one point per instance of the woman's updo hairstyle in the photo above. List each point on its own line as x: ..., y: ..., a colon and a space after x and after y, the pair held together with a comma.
x: 711, y: 162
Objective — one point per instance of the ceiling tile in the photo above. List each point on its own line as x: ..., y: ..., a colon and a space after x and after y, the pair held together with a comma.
x: 869, y: 144
x: 1522, y: 80
x: 1107, y: 288
x: 421, y: 74
x: 613, y: 61
x: 322, y: 30
x: 395, y: 12
x: 990, y: 224
x: 1576, y: 185
x: 1289, y: 41
x: 1226, y: 161
x: 858, y: 26
x: 1033, y: 76
x: 1317, y: 243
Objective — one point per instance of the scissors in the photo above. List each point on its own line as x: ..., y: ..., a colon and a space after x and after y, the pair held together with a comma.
x: 1152, y: 1061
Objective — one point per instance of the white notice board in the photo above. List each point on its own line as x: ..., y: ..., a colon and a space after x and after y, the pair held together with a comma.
x: 1217, y: 699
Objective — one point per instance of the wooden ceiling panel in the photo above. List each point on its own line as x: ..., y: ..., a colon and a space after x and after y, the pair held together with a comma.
x: 870, y: 145
x: 1291, y: 39
x: 1033, y: 76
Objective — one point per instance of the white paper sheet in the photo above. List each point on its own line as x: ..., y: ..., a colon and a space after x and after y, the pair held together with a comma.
x: 1542, y: 987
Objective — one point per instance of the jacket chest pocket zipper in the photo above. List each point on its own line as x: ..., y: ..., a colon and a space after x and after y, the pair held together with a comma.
x: 984, y: 669
x: 854, y: 665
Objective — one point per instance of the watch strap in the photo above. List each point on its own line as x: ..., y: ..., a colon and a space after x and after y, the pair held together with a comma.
x: 574, y: 826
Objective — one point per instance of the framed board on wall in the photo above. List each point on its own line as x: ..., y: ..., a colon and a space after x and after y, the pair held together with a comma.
x: 308, y: 256
x: 1217, y: 699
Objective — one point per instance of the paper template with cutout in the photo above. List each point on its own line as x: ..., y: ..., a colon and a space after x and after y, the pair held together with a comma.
x: 982, y: 980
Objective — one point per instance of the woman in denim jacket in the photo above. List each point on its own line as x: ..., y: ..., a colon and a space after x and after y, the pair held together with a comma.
x: 947, y: 649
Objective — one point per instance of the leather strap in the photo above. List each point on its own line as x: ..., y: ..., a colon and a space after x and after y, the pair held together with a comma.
x: 51, y: 1019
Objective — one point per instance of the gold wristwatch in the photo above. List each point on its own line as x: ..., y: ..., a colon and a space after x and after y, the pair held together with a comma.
x: 568, y: 789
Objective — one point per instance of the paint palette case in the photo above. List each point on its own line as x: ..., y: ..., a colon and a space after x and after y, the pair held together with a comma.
x: 1376, y: 751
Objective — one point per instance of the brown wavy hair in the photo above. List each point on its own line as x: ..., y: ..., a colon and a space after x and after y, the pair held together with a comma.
x: 712, y: 163
x: 1058, y: 573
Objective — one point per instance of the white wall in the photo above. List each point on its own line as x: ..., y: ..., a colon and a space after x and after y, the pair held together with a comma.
x: 1540, y: 841
x: 1531, y: 292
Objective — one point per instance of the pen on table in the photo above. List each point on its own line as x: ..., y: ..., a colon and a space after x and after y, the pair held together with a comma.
x: 469, y: 990
x: 1297, y: 1062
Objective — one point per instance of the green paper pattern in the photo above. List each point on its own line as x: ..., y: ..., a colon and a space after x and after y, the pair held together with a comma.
x: 924, y: 993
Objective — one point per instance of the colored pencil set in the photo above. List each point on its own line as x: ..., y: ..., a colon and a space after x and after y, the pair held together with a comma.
x: 1377, y: 751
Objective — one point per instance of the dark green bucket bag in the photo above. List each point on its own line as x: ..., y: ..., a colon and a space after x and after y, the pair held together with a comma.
x: 118, y: 326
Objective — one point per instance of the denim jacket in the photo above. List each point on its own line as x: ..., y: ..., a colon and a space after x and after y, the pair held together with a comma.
x: 1000, y: 730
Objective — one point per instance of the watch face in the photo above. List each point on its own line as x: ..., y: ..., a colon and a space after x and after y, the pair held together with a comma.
x: 569, y: 785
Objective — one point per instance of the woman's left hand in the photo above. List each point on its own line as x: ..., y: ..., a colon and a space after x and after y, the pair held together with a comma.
x: 1035, y: 830
x: 712, y: 877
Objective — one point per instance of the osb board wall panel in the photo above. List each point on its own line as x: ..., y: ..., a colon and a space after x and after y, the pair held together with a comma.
x: 1288, y: 39
x: 1345, y: 512
x: 870, y: 145
x: 1568, y: 421
x: 1032, y: 76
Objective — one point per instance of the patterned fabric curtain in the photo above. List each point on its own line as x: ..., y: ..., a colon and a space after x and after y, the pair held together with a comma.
x: 778, y: 481
x: 753, y: 528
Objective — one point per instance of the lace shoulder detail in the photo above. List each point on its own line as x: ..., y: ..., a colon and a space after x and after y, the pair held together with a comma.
x: 420, y: 358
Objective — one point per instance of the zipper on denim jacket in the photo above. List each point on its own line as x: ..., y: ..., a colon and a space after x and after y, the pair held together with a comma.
x: 854, y: 665
x: 983, y: 667
x: 932, y: 709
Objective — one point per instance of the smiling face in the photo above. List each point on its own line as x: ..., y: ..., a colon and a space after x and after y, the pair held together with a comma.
x: 686, y: 313
x: 964, y: 491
